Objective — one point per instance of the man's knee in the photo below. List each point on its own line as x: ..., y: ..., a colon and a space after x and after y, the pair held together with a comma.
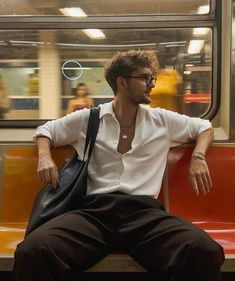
x: 205, y: 250
x: 30, y: 246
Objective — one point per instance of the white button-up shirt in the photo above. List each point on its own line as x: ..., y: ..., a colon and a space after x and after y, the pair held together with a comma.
x: 138, y: 171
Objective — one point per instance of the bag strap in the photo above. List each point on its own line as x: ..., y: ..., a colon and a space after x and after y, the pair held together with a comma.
x: 92, y: 130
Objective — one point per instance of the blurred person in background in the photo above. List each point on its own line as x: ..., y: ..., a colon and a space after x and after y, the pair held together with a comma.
x: 81, y: 101
x: 167, y: 92
x: 4, y: 100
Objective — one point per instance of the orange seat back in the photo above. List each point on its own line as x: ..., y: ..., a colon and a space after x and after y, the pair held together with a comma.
x: 20, y: 181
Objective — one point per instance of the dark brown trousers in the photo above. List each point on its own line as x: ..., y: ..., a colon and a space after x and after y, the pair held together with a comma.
x: 162, y: 243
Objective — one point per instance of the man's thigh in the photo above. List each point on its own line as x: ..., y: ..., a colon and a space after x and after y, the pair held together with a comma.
x: 160, y: 241
x: 74, y: 238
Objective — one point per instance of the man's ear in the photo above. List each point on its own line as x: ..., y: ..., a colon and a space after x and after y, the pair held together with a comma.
x: 121, y: 82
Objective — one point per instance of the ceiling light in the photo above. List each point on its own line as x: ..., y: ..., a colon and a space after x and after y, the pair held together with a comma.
x: 94, y: 33
x: 205, y: 9
x: 195, y: 46
x: 200, y: 31
x: 73, y: 12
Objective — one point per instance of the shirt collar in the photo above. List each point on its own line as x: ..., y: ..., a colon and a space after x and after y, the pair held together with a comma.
x: 107, y: 109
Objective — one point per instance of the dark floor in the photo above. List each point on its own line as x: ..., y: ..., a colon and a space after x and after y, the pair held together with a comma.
x: 226, y: 276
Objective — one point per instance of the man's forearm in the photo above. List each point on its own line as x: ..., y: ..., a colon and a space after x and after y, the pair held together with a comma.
x: 44, y: 146
x: 203, y: 142
x: 47, y: 169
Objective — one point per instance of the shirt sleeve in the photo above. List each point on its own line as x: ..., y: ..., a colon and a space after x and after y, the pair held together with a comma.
x: 183, y: 128
x: 65, y: 130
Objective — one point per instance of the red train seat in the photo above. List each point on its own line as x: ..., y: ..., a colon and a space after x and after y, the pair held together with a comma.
x: 215, y: 212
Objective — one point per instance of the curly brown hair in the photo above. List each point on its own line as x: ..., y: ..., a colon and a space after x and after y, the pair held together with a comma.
x: 125, y: 63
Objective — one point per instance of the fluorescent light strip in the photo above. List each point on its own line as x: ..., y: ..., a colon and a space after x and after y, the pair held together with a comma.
x: 27, y: 42
x: 202, y: 10
x: 73, y: 68
x: 92, y: 46
x: 3, y: 43
x: 78, y: 12
x: 173, y: 43
x: 195, y: 46
x: 94, y: 33
x: 76, y: 68
x: 201, y: 31
x: 73, y: 12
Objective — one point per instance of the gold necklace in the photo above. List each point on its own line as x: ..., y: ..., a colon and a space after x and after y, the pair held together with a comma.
x: 123, y: 134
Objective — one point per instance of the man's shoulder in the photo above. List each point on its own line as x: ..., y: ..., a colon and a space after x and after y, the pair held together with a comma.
x: 154, y: 112
x: 106, y: 108
x: 163, y: 114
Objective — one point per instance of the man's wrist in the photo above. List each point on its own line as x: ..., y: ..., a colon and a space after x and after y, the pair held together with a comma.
x: 198, y: 155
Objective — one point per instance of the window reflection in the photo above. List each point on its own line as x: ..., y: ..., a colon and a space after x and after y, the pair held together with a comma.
x: 40, y: 80
x: 85, y: 8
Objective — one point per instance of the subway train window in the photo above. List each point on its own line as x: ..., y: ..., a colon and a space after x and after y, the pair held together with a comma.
x: 85, y: 8
x: 40, y: 71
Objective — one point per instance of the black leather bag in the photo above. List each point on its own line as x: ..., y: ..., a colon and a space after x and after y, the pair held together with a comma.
x: 51, y: 202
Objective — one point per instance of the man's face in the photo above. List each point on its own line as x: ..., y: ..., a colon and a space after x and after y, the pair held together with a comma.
x: 81, y: 91
x: 139, y: 86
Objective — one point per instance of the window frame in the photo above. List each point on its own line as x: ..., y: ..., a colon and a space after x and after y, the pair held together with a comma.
x: 63, y: 19
x: 211, y: 20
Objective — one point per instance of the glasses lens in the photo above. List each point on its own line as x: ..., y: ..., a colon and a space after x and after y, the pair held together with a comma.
x: 149, y: 79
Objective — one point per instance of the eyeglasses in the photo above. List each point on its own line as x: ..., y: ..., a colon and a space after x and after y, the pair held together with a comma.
x: 148, y: 78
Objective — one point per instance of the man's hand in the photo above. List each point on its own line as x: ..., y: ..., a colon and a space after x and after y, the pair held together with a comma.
x: 199, y: 175
x: 47, y: 170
